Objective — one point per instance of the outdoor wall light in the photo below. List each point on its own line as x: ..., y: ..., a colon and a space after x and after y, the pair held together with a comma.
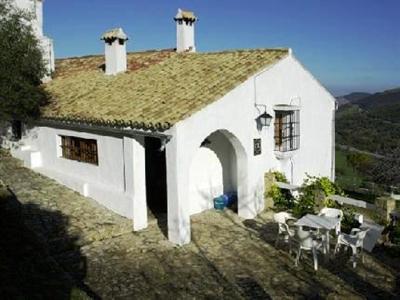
x: 264, y: 119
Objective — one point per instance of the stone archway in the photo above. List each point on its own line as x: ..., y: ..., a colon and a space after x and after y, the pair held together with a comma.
x: 218, y: 166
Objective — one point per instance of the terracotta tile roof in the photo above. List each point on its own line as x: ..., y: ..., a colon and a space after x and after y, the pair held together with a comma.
x: 185, y: 15
x: 116, y: 33
x: 160, y: 87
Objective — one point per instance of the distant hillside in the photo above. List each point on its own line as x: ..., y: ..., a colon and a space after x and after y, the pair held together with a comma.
x: 385, y: 105
x: 350, y: 98
x: 371, y: 123
x: 356, y: 96
x: 389, y: 97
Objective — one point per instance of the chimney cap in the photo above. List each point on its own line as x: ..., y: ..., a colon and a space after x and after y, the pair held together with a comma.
x: 185, y: 15
x: 114, y: 34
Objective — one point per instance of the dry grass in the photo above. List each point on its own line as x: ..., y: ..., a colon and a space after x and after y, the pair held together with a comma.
x: 159, y: 87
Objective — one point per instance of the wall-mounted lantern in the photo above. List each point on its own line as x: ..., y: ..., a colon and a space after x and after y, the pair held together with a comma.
x: 264, y: 119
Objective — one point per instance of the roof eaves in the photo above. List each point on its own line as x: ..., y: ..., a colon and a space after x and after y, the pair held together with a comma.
x: 115, y: 124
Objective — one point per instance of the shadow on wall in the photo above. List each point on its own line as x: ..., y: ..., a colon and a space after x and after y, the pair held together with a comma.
x: 40, y: 260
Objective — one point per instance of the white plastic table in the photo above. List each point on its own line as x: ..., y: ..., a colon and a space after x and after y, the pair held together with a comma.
x: 319, y: 222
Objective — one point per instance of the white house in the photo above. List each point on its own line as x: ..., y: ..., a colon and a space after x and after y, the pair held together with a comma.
x: 35, y: 9
x: 173, y: 129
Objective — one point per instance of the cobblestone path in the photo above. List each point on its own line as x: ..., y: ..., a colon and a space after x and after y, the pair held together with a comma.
x: 228, y: 258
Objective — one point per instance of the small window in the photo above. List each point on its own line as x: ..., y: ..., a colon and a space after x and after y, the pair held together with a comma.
x: 287, y: 130
x: 83, y: 150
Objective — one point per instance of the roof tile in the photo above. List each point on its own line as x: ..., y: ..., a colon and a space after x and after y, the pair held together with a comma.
x: 159, y: 87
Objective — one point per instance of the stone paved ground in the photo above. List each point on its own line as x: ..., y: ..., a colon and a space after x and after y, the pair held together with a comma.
x: 228, y: 258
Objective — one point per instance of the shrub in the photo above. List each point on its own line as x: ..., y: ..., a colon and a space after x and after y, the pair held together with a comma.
x: 314, y: 192
x: 279, y: 176
x: 304, y: 205
x: 283, y: 199
x: 349, y: 222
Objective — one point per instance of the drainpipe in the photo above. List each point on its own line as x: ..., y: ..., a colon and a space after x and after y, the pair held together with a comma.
x: 291, y: 171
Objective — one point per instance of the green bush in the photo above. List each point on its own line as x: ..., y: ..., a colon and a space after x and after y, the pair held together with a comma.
x: 283, y: 199
x: 314, y: 193
x: 304, y: 205
x: 279, y: 176
x: 349, y: 222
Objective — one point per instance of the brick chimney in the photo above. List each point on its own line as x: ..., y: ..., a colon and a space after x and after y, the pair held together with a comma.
x: 115, y: 51
x: 185, y: 31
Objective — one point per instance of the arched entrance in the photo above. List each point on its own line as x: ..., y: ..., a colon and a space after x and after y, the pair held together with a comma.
x: 218, y: 167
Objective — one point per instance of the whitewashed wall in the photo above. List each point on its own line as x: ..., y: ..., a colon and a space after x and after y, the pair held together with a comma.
x: 35, y: 7
x: 289, y: 83
x: 185, y: 37
x: 286, y: 82
x: 116, y: 60
x: 115, y: 182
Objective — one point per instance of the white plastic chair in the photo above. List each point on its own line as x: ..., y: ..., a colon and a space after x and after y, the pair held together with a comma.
x: 333, y: 213
x: 283, y: 228
x: 306, y: 240
x: 355, y: 241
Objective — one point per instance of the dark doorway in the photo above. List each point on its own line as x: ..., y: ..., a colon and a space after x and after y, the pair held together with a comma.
x: 16, y: 129
x: 156, y: 177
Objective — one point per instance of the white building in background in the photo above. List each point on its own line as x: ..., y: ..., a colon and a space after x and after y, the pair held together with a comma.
x: 176, y: 128
x: 35, y: 8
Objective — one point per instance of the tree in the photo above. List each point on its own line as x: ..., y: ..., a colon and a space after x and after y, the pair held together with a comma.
x: 360, y: 161
x: 387, y: 170
x: 21, y: 66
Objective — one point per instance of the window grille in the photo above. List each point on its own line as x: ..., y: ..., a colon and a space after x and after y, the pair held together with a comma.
x: 79, y: 149
x: 287, y: 130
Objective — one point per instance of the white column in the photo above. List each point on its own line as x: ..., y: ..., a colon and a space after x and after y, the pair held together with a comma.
x: 178, y: 191
x: 116, y: 57
x: 247, y: 192
x: 135, y: 179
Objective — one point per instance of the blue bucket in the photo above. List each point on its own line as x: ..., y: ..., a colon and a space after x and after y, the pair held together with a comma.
x: 219, y: 203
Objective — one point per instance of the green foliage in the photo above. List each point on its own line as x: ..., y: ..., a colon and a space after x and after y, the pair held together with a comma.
x: 349, y: 222
x: 387, y: 170
x: 279, y: 176
x: 283, y: 199
x: 314, y: 192
x: 368, y: 130
x: 346, y: 176
x: 304, y: 205
x: 360, y: 161
x: 379, y: 218
x: 22, y: 66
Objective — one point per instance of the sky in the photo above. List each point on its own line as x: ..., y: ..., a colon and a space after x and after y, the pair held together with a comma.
x: 348, y: 45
